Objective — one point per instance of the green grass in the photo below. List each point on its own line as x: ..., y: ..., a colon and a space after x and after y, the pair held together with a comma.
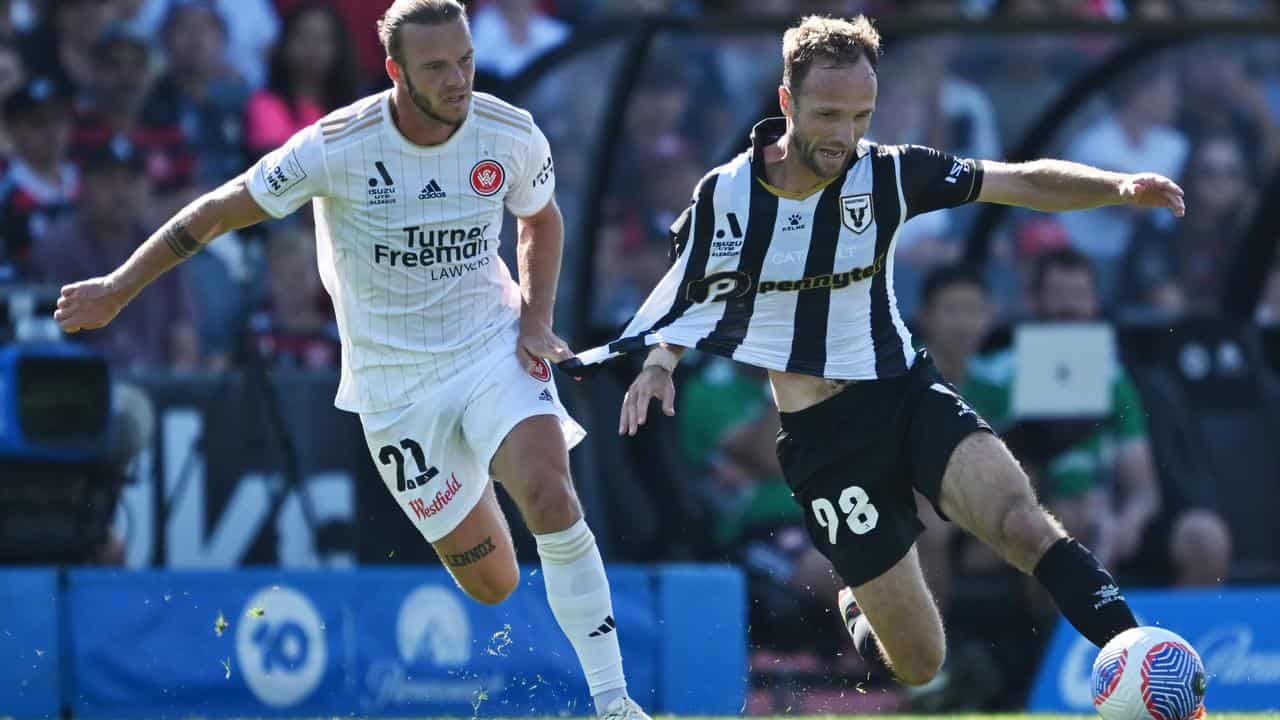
x: 975, y: 716
x: 990, y: 716
x: 1271, y: 715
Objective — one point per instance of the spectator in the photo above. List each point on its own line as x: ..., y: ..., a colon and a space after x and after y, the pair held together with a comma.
x: 361, y: 17
x: 1268, y: 310
x: 312, y: 72
x: 954, y: 318
x: 202, y: 97
x: 8, y: 28
x: 104, y: 230
x: 62, y: 47
x: 252, y: 27
x: 296, y: 327
x: 1153, y: 10
x: 1173, y: 267
x: 636, y: 239
x: 199, y: 94
x: 1104, y: 487
x: 40, y: 183
x: 1135, y: 135
x: 937, y: 108
x: 113, y: 108
x: 510, y: 34
x: 1229, y: 100
x: 727, y: 426
x: 13, y: 75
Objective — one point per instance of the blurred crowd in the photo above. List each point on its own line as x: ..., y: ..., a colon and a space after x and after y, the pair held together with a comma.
x: 116, y: 113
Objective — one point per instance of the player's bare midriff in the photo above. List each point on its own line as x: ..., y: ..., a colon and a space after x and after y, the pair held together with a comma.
x: 793, y: 392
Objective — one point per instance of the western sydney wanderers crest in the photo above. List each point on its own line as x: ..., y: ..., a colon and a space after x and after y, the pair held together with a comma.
x: 855, y: 211
x: 541, y: 371
x: 487, y: 177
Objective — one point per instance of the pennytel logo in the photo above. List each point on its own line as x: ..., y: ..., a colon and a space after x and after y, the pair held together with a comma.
x: 283, y: 653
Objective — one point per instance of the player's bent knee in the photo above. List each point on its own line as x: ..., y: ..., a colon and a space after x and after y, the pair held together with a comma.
x: 546, y: 496
x: 491, y: 587
x: 1026, y: 531
x: 921, y: 664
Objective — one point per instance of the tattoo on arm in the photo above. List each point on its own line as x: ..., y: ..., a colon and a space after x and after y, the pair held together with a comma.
x: 473, y: 555
x: 180, y: 240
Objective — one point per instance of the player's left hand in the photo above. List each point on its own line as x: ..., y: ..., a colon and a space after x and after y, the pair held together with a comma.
x: 538, y: 341
x: 1149, y: 190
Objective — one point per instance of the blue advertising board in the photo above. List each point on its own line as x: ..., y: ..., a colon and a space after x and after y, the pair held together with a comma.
x: 30, y: 654
x: 394, y: 642
x: 1236, y: 632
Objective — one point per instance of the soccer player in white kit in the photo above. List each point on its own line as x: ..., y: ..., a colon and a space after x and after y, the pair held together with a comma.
x: 444, y: 356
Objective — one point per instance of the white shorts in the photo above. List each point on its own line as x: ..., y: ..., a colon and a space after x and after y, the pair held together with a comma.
x: 434, y: 454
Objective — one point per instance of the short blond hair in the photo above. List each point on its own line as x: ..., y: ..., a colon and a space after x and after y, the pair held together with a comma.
x: 840, y: 42
x: 408, y: 12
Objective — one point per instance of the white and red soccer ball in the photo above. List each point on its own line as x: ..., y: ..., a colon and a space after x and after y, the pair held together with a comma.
x: 1148, y: 673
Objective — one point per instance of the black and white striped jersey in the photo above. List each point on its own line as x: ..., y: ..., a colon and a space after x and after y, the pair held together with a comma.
x: 800, y: 284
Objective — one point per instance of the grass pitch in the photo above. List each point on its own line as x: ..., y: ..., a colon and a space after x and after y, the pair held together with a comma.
x: 1273, y: 715
x: 1269, y: 715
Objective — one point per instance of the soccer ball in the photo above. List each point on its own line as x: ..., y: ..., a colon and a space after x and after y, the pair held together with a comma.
x: 1148, y: 673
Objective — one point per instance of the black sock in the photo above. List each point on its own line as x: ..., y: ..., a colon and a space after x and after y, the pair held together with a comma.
x: 1084, y: 591
x: 864, y: 641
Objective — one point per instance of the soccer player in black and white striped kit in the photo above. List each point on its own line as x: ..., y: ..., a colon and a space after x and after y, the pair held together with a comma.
x: 785, y: 261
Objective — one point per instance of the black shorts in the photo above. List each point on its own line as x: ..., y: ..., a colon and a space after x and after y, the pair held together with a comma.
x: 852, y: 460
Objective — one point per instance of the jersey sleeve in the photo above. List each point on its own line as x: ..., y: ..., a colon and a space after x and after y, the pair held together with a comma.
x: 537, y: 183
x: 680, y: 233
x: 287, y: 177
x: 933, y: 180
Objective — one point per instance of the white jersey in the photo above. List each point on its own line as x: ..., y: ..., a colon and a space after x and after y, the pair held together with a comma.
x: 408, y: 235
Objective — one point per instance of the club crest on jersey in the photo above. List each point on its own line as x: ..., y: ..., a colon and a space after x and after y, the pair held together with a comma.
x: 855, y: 211
x: 540, y: 370
x: 487, y: 177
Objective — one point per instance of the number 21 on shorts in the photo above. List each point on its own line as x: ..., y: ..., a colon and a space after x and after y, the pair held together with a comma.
x: 860, y: 515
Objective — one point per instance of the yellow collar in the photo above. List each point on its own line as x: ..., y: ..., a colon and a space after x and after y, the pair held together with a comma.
x: 794, y: 195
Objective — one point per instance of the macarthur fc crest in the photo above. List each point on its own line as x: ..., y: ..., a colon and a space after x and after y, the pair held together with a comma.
x: 855, y: 211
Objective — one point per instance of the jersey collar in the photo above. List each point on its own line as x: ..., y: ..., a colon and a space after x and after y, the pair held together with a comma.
x: 414, y: 148
x: 767, y: 132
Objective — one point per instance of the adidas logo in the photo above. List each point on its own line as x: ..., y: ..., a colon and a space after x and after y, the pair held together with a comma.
x: 546, y: 395
x: 605, y: 628
x: 431, y: 191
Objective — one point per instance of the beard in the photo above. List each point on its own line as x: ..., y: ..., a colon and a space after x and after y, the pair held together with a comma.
x: 808, y: 154
x: 425, y: 106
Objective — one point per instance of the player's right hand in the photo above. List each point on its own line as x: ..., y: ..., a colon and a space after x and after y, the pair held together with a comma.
x: 88, y: 304
x: 652, y: 382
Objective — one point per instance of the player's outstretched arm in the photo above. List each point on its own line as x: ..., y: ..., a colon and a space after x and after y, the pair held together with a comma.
x: 93, y: 303
x: 654, y: 381
x: 539, y: 247
x: 1056, y: 185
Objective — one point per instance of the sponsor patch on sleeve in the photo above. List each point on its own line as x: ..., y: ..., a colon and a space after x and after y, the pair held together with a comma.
x: 284, y: 173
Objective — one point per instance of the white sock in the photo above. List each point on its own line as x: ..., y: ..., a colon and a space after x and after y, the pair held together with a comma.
x: 578, y: 592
